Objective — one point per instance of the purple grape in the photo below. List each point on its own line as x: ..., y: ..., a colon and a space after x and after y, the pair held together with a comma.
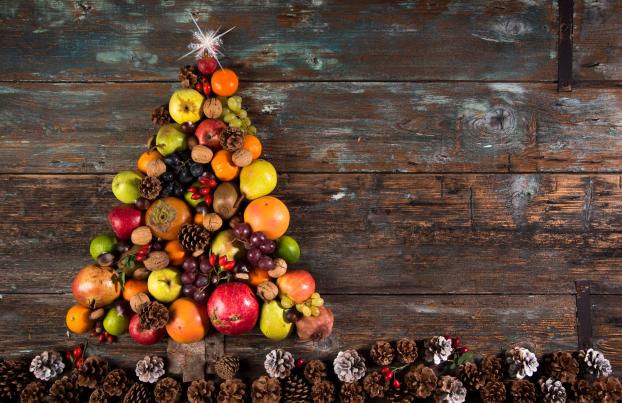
x: 205, y: 266
x: 242, y: 231
x: 201, y: 208
x: 268, y: 247
x: 189, y: 290
x: 257, y: 238
x: 157, y: 246
x: 242, y: 267
x: 253, y: 255
x: 266, y: 263
x: 188, y: 277
x: 190, y: 263
x: 201, y: 281
x: 200, y: 297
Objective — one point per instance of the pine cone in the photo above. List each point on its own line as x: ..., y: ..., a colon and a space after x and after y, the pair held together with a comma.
x: 594, y: 364
x: 552, y: 391
x: 469, y: 375
x: 562, y: 366
x: 188, y: 76
x: 406, y: 350
x: 493, y: 392
x: 227, y: 366
x: 421, y: 381
x: 490, y: 369
x: 161, y: 116
x: 150, y: 369
x: 116, y: 383
x: 582, y: 391
x: 315, y: 371
x: 167, y: 390
x: 349, y: 366
x: 351, y: 393
x: 266, y: 390
x: 375, y: 384
x: 98, y: 396
x: 232, y: 391
x: 231, y: 139
x: 201, y: 391
x: 523, y: 391
x: 34, y: 392
x: 437, y: 349
x: 14, y: 377
x: 138, y: 393
x: 398, y: 396
x: 47, y: 365
x: 606, y: 390
x: 296, y: 390
x: 153, y: 315
x: 64, y: 390
x: 382, y: 353
x: 92, y: 372
x: 450, y: 390
x: 150, y: 187
x: 279, y: 363
x: 323, y: 392
x: 521, y: 362
x: 194, y: 237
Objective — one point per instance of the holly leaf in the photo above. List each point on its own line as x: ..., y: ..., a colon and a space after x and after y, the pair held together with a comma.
x: 466, y: 357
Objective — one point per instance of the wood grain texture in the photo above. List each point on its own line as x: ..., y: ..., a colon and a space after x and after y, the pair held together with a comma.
x: 373, y: 127
x: 292, y: 40
x: 364, y: 233
x: 607, y: 322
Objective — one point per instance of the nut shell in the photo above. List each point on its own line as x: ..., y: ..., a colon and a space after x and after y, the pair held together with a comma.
x: 141, y: 273
x: 212, y: 222
x: 280, y: 268
x: 97, y: 314
x: 156, y: 260
x: 138, y: 300
x: 242, y: 157
x: 155, y: 168
x: 267, y: 291
x: 202, y: 154
x: 141, y: 235
x: 212, y: 108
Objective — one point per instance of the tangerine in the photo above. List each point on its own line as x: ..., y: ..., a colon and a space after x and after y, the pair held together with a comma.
x: 133, y: 287
x: 269, y: 215
x: 224, y: 82
x: 223, y: 166
x: 166, y: 216
x: 145, y: 158
x: 188, y: 321
x: 252, y: 144
x: 258, y: 276
x: 78, y: 320
x: 176, y: 252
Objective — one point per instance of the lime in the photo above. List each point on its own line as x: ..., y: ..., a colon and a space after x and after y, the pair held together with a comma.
x: 288, y: 249
x: 115, y: 322
x: 102, y: 243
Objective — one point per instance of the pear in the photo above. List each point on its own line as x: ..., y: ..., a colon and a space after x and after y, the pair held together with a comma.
x: 225, y: 244
x: 257, y: 179
x: 272, y: 322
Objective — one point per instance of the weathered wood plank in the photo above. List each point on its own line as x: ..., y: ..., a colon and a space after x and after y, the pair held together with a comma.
x: 29, y: 323
x: 366, y: 233
x: 301, y: 40
x: 388, y: 127
x: 607, y: 322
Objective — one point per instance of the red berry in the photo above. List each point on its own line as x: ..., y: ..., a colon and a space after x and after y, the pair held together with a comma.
x: 198, y: 87
x: 100, y: 338
x: 208, y: 200
x: 203, y: 180
x: 80, y: 361
x: 300, y: 362
x: 212, y: 183
x: 463, y: 350
x: 229, y: 265
x: 140, y: 258
x: 207, y: 65
x: 212, y: 259
x: 207, y: 88
x: 69, y: 356
x: 192, y: 189
x: 455, y: 342
x: 222, y: 261
x: 77, y: 351
x: 396, y: 384
x: 204, y: 191
x: 384, y: 370
x: 388, y: 375
x: 195, y: 196
x: 110, y: 338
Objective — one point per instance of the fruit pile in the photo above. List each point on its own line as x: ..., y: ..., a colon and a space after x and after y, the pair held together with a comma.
x: 198, y: 239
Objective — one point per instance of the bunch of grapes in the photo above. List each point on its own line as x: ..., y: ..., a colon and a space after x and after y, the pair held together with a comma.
x: 259, y: 247
x: 310, y: 307
x: 235, y: 116
x: 181, y: 171
x: 199, y: 274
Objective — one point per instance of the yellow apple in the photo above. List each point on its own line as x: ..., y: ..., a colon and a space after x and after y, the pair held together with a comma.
x: 186, y: 105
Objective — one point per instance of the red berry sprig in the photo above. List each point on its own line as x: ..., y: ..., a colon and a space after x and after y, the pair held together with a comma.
x: 76, y: 356
x: 206, y: 184
x: 300, y: 362
x: 143, y: 252
x: 221, y: 263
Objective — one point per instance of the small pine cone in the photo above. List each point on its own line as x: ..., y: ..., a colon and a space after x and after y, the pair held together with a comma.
x: 138, y: 393
x: 523, y: 391
x: 227, y: 366
x: 375, y: 384
x: 594, y: 364
x: 64, y: 390
x: 607, y: 390
x: 491, y: 369
x: 562, y: 366
x: 161, y: 116
x: 382, y: 353
x: 398, y: 396
x: 92, y: 372
x: 194, y: 237
x: 150, y: 369
x: 232, y: 391
x: 201, y: 391
x: 232, y: 139
x: 521, y: 362
x: 47, y: 365
x: 296, y: 390
x: 14, y: 376
x: 150, y: 187
x: 351, y: 393
x: 349, y: 366
x: 493, y: 392
x: 450, y: 390
x: 34, y: 392
x: 153, y: 315
x: 469, y: 375
x: 315, y: 371
x: 279, y: 363
x: 188, y: 76
x: 323, y: 392
x: 266, y: 390
x: 116, y: 383
x: 167, y: 390
x: 437, y: 349
x: 582, y: 391
x: 98, y: 396
x: 421, y: 381
x: 406, y: 350
x: 552, y: 391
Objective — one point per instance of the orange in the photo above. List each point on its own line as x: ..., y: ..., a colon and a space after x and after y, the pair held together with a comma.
x: 166, y: 216
x: 269, y: 215
x: 145, y: 158
x: 224, y: 82
x: 133, y: 287
x: 198, y: 219
x: 258, y: 276
x: 252, y: 144
x: 176, y: 252
x: 78, y: 320
x: 188, y: 321
x: 223, y: 166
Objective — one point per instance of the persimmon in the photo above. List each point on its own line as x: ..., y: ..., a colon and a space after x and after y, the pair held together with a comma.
x: 145, y: 158
x: 188, y: 321
x: 269, y: 215
x: 224, y: 82
x: 78, y: 320
x: 176, y: 253
x: 223, y: 166
x: 133, y: 287
x: 252, y: 144
x: 166, y: 216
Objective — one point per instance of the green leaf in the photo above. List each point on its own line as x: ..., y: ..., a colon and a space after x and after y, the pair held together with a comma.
x: 466, y: 357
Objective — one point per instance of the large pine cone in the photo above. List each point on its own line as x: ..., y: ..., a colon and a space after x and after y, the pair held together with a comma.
x: 523, y: 391
x: 98, y: 396
x: 351, y: 393
x: 323, y: 392
x: 382, y: 353
x: 397, y: 396
x: 315, y: 371
x: 421, y: 381
x: 232, y: 139
x: 406, y: 350
x: 188, y: 76
x: 469, y: 375
x: 607, y: 389
x: 14, y: 376
x: 167, y: 390
x: 138, y: 393
x: 375, y: 384
x: 266, y: 390
x: 491, y: 369
x: 116, y: 383
x: 194, y: 237
x: 562, y: 366
x: 296, y: 390
x: 232, y: 391
x: 227, y: 366
x: 161, y: 116
x: 92, y: 372
x: 34, y: 392
x: 64, y: 390
x: 153, y: 315
x: 150, y: 187
x: 201, y: 391
x: 493, y: 392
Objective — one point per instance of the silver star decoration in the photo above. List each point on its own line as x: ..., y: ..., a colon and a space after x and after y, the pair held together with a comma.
x: 208, y: 42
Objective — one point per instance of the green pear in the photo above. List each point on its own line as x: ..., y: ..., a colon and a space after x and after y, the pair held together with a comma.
x: 257, y: 179
x: 125, y: 186
x: 272, y: 322
x: 115, y: 322
x: 225, y: 244
x: 170, y: 139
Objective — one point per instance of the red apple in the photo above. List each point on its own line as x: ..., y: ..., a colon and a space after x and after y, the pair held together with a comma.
x: 95, y: 286
x: 142, y: 336
x: 124, y: 219
x: 208, y: 133
x: 233, y: 308
x: 298, y: 285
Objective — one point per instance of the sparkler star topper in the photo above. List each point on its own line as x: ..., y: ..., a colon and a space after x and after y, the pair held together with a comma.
x: 206, y: 42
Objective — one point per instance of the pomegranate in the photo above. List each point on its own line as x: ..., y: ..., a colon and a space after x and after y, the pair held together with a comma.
x: 142, y: 336
x: 233, y: 308
x: 316, y: 327
x: 95, y: 286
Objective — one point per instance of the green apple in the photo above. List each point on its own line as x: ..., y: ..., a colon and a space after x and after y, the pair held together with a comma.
x: 186, y: 105
x: 170, y: 139
x: 225, y: 244
x: 102, y: 243
x: 272, y: 322
x: 287, y: 248
x: 165, y: 285
x: 115, y: 322
x: 125, y: 186
x: 257, y: 179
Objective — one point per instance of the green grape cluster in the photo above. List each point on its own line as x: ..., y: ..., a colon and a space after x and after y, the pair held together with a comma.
x: 310, y: 307
x: 235, y: 116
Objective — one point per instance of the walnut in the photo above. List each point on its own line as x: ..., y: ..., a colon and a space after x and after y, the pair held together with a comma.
x: 156, y: 260
x: 212, y: 222
x: 202, y: 154
x: 212, y: 108
x: 280, y: 268
x: 242, y: 157
x: 267, y: 290
x: 141, y: 235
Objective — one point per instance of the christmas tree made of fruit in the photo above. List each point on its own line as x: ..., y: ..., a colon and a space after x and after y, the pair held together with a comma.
x: 198, y: 240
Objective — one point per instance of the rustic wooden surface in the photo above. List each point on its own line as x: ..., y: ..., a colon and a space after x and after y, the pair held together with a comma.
x: 438, y: 182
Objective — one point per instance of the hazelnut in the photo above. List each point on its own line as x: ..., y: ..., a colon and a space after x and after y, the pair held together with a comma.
x: 141, y: 235
x: 212, y: 222
x: 267, y: 290
x: 280, y: 268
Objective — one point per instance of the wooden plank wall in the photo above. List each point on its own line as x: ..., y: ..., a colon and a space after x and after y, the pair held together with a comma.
x: 438, y: 181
